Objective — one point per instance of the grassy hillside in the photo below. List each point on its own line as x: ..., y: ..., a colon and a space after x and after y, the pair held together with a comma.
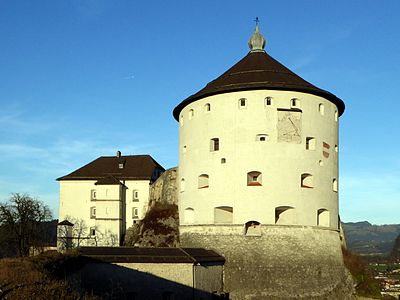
x: 40, y: 277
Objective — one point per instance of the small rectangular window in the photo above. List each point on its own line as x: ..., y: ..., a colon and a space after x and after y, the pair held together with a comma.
x: 92, y: 231
x: 242, y: 102
x: 214, y: 144
x: 295, y: 102
x: 92, y: 194
x: 135, y: 212
x: 310, y: 143
x: 135, y: 195
x: 93, y: 212
x: 268, y: 101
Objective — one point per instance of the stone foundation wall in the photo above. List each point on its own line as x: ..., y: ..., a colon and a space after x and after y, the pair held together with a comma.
x: 283, y: 262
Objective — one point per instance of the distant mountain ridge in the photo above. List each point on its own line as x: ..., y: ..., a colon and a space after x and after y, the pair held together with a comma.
x: 367, y: 239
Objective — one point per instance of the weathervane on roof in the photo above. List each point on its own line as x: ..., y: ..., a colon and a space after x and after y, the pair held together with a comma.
x: 257, y: 41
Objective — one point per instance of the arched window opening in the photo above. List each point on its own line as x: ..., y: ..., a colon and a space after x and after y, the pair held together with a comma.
x: 310, y: 143
x: 188, y: 216
x: 182, y: 185
x: 334, y: 185
x: 252, y: 228
x: 214, y: 144
x: 285, y: 215
x: 93, y: 195
x: 223, y: 215
x: 254, y: 178
x: 191, y: 114
x: 307, y: 181
x: 336, y: 148
x: 242, y: 103
x: 268, y: 101
x: 336, y: 115
x: 207, y: 107
x: 321, y: 109
x: 184, y: 148
x: 262, y: 137
x: 181, y: 120
x: 323, y: 217
x: 203, y: 181
x: 223, y: 160
x: 295, y: 102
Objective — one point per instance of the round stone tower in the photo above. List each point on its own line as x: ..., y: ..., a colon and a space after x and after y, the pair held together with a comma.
x: 258, y: 176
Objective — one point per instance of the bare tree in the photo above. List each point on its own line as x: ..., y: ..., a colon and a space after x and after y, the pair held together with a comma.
x: 79, y: 232
x: 22, y: 215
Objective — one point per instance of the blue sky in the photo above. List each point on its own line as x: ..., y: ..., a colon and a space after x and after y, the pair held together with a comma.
x: 85, y: 78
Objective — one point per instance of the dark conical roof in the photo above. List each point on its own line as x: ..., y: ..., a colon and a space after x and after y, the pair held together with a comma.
x: 256, y: 71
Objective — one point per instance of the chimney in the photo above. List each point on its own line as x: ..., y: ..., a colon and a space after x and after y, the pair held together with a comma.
x: 118, y: 154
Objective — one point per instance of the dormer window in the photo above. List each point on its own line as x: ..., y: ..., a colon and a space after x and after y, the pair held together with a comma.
x: 121, y: 165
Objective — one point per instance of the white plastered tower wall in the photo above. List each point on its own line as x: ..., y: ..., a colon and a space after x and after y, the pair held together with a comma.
x: 258, y: 173
x: 280, y: 163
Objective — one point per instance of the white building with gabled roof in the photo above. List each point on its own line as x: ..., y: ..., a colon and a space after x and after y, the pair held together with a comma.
x: 107, y: 196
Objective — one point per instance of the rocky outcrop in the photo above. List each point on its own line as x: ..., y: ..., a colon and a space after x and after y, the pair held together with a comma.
x: 164, y: 189
x: 160, y: 226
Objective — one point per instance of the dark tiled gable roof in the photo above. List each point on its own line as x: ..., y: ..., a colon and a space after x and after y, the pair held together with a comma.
x: 258, y: 70
x: 151, y: 255
x: 134, y: 167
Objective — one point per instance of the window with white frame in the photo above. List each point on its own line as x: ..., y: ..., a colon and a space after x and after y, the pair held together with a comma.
x: 214, y: 144
x: 92, y: 231
x: 135, y: 195
x: 135, y: 213
x: 93, y: 212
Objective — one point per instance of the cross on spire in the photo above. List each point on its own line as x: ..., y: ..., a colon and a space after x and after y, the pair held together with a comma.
x: 257, y: 21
